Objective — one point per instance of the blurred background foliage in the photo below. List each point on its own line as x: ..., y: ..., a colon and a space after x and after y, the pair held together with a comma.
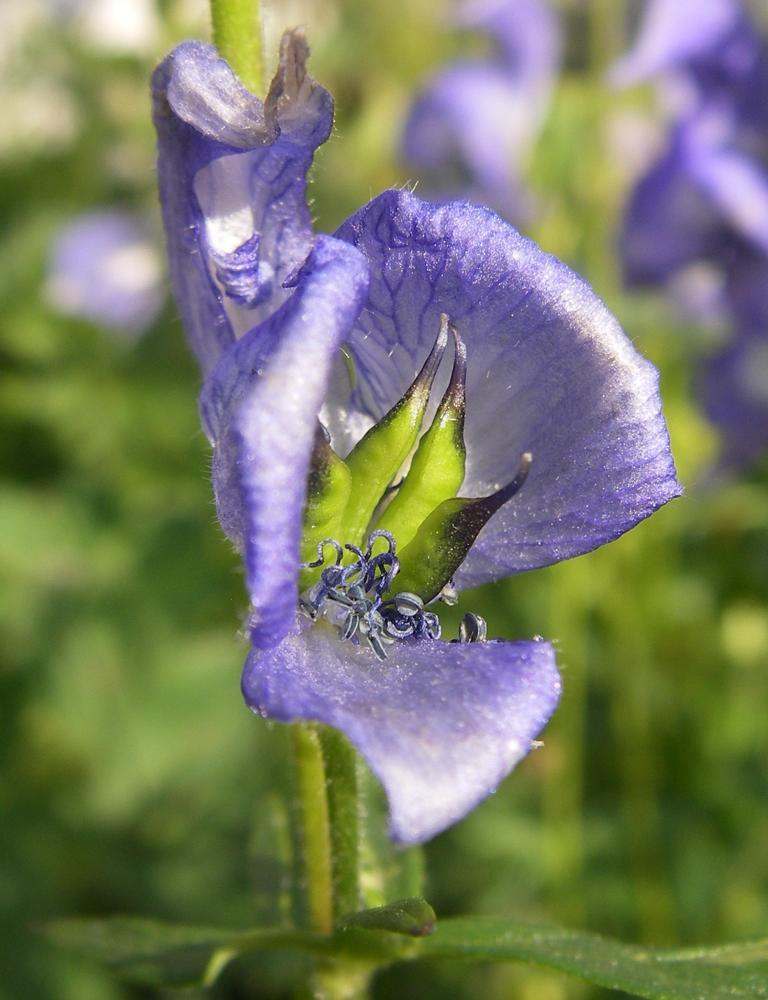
x: 133, y: 778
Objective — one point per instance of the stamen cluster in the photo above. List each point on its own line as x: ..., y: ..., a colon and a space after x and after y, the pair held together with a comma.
x: 353, y: 597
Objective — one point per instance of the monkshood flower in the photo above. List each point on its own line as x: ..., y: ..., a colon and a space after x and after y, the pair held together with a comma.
x: 705, y: 199
x: 470, y: 128
x: 734, y: 381
x: 708, y: 192
x: 702, y: 208
x: 712, y: 47
x: 431, y: 333
x: 104, y: 268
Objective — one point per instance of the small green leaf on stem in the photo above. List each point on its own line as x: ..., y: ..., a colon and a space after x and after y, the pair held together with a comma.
x: 413, y: 916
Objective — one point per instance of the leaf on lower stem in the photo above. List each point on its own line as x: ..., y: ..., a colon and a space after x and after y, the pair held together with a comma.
x: 413, y: 916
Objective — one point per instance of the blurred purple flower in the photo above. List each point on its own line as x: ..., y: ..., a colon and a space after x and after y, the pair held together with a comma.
x: 708, y: 193
x: 267, y: 306
x: 470, y: 129
x: 715, y: 51
x: 104, y: 268
x: 670, y: 38
x: 705, y: 201
x: 734, y: 381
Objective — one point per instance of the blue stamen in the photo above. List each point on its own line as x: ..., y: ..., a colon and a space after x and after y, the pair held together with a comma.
x: 473, y: 628
x: 408, y: 604
x: 358, y: 590
x: 321, y: 554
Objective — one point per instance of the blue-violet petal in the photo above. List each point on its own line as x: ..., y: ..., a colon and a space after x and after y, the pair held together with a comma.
x: 440, y: 724
x: 549, y: 371
x: 232, y: 174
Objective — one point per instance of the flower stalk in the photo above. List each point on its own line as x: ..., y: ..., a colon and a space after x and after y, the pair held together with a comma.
x: 312, y: 818
x: 327, y: 815
x: 238, y: 35
x: 341, y: 782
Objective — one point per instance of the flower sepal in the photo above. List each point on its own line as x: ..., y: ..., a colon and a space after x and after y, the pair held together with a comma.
x: 439, y: 723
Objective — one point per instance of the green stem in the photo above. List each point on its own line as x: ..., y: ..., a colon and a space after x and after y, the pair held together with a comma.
x: 341, y: 980
x: 237, y: 34
x: 313, y: 820
x: 343, y: 810
x: 328, y: 840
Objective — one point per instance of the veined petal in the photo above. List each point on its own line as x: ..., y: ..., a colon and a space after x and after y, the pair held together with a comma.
x: 440, y: 724
x: 549, y: 371
x: 260, y: 406
x: 232, y: 175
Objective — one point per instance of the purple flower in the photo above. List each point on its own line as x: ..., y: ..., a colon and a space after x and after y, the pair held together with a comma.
x: 232, y: 175
x: 707, y: 195
x: 733, y: 383
x: 704, y: 203
x: 717, y: 53
x: 703, y: 200
x: 104, y: 268
x: 470, y: 128
x: 539, y: 365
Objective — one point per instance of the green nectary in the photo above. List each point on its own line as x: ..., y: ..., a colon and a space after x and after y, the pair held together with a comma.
x: 328, y: 492
x: 445, y: 537
x: 377, y: 457
x: 432, y: 526
x: 437, y: 469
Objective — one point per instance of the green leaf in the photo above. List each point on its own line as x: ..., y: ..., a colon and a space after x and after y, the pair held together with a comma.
x: 170, y: 955
x: 413, y: 916
x: 145, y: 950
x: 719, y: 973
x: 167, y: 954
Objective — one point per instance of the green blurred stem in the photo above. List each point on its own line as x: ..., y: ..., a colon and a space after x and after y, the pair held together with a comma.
x: 314, y: 827
x: 237, y: 34
x: 606, y: 35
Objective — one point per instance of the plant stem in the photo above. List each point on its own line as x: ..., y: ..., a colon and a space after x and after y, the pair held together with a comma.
x: 343, y: 809
x: 315, y: 836
x: 327, y: 808
x: 237, y: 34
